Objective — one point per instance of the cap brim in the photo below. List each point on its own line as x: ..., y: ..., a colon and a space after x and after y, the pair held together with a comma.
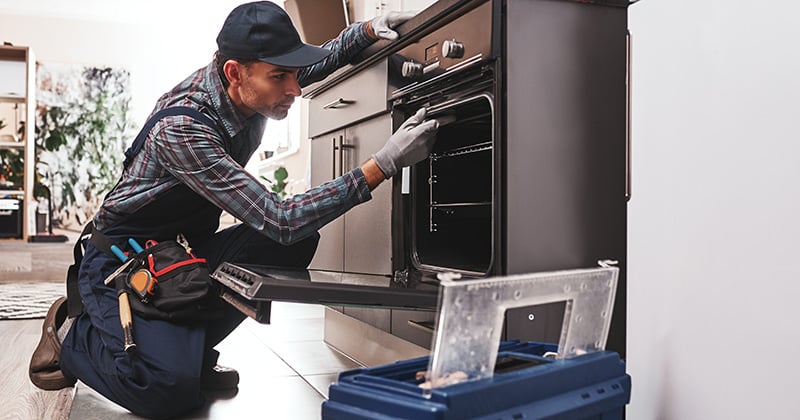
x: 304, y: 56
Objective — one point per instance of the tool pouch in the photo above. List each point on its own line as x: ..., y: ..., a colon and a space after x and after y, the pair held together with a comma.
x: 166, y: 281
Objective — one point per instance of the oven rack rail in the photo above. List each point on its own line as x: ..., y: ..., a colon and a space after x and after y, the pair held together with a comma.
x: 463, y: 120
x: 475, y: 148
x: 449, y: 208
x: 462, y: 204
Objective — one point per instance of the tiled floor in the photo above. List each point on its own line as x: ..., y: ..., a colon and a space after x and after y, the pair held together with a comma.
x: 285, y: 370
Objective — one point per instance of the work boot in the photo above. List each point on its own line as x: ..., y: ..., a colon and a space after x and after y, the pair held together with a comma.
x: 45, y: 371
x: 219, y: 378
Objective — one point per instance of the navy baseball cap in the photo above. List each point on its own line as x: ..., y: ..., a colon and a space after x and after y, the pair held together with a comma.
x: 263, y: 31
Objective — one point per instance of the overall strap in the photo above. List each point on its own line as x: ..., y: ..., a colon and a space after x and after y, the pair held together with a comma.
x: 74, y: 303
x: 138, y: 143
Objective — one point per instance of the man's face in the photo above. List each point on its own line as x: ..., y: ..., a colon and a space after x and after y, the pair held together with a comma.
x: 268, y: 90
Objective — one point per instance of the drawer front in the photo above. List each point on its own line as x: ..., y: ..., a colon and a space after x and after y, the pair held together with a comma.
x: 414, y: 326
x: 357, y: 97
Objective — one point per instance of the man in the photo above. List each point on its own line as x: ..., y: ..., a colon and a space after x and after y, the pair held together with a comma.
x: 178, y: 183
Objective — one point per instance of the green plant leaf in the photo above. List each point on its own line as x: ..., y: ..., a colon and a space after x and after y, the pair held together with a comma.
x: 281, y: 174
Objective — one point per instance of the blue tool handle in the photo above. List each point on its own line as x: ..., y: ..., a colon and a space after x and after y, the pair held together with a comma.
x: 135, y: 245
x: 118, y: 252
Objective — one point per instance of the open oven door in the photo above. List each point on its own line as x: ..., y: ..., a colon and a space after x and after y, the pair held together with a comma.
x: 250, y: 288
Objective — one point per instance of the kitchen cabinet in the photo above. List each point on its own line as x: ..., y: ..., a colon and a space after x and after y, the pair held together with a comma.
x: 17, y: 106
x: 347, y: 124
x: 359, y: 241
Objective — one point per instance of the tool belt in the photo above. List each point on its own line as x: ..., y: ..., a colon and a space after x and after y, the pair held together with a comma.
x: 164, y: 280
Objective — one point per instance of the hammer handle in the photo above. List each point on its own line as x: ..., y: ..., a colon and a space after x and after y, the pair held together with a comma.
x: 126, y: 320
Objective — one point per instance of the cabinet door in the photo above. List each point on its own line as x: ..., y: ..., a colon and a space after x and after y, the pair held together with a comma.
x: 325, y: 167
x: 367, y: 234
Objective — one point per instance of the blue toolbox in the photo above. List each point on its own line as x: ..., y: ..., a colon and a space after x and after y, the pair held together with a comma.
x: 525, y: 385
x: 471, y: 374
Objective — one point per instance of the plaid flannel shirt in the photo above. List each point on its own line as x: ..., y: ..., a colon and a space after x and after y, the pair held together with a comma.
x: 179, y: 150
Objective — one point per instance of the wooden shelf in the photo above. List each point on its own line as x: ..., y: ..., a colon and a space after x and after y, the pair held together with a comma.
x: 12, y: 145
x: 12, y: 53
x: 19, y: 87
x: 12, y: 98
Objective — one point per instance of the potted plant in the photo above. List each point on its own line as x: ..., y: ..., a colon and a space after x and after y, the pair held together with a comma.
x: 278, y: 186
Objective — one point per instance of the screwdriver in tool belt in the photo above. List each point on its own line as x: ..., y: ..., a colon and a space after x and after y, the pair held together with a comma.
x: 124, y: 258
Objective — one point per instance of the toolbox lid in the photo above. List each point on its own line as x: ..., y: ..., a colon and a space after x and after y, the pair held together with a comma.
x: 471, y: 313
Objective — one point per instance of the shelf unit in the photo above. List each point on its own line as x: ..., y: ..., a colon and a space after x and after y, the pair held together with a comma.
x: 17, y: 93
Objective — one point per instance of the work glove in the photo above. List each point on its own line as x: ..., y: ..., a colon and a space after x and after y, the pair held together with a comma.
x: 411, y: 143
x: 383, y: 26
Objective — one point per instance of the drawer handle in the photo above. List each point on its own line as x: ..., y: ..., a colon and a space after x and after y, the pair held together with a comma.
x: 339, y: 103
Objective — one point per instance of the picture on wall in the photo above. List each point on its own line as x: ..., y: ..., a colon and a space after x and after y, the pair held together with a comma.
x: 82, y: 129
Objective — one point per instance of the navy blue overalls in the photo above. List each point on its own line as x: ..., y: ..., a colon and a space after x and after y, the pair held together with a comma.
x: 162, y: 377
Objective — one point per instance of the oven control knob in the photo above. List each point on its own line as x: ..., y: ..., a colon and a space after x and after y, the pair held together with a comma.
x: 412, y: 70
x: 453, y: 49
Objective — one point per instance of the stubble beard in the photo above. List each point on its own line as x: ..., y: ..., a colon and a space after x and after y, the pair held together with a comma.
x: 277, y: 111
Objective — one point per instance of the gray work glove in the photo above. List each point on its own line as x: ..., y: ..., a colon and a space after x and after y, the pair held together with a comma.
x: 411, y: 143
x: 383, y: 26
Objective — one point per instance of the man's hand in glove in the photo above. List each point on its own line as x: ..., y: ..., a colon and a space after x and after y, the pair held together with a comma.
x: 383, y: 26
x: 411, y: 143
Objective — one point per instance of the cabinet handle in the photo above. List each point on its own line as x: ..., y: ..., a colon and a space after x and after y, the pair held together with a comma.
x: 343, y: 146
x: 339, y: 103
x: 333, y: 154
x: 628, y: 119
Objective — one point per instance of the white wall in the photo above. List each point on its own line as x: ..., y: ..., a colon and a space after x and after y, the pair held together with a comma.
x: 714, y: 277
x: 159, y: 42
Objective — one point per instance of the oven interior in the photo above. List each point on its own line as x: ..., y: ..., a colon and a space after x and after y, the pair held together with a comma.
x: 452, y: 190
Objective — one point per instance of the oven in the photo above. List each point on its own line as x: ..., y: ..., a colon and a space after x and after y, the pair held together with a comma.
x: 529, y: 169
x: 528, y: 174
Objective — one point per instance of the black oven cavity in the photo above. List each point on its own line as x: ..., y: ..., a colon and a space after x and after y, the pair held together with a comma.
x: 452, y: 190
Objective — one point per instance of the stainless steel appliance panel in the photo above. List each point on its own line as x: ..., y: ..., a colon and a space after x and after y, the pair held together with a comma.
x: 565, y: 141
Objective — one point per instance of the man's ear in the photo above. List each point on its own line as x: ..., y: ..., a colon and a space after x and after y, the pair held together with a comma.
x: 233, y: 71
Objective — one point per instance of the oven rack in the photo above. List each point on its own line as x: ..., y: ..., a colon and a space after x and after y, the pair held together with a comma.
x: 463, y: 204
x: 475, y: 148
x: 463, y: 120
x: 450, y: 208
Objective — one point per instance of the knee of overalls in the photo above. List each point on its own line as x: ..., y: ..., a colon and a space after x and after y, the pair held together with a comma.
x: 163, y: 396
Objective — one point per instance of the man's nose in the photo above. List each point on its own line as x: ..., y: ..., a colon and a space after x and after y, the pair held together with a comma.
x: 293, y: 88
